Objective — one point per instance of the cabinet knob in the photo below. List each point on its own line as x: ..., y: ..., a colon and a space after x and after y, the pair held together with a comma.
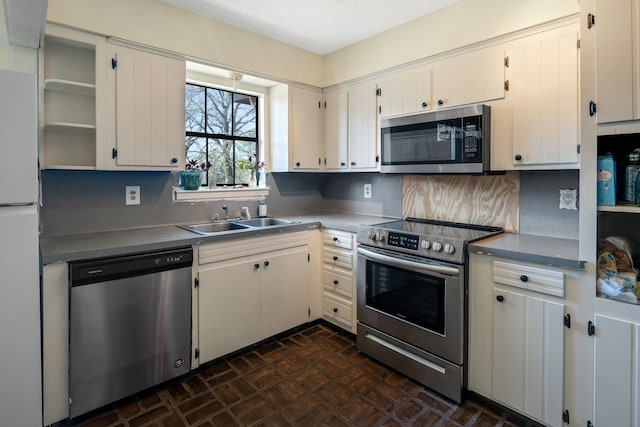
x: 518, y: 157
x: 335, y: 309
x: 266, y: 263
x: 524, y: 278
x: 500, y: 298
x: 335, y: 258
x: 440, y: 102
x: 256, y: 266
x: 343, y: 164
x: 174, y: 160
x: 424, y: 105
x: 335, y: 239
x: 297, y: 164
x: 353, y: 163
x: 335, y: 282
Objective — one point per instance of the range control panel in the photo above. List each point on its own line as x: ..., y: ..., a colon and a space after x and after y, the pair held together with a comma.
x: 406, y: 241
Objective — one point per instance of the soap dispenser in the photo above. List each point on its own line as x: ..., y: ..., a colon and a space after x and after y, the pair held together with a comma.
x: 262, y: 208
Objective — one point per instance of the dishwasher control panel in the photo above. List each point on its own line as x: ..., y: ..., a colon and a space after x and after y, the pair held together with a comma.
x: 112, y: 268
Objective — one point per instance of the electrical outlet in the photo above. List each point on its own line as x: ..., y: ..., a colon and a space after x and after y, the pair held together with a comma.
x: 132, y: 195
x: 367, y: 191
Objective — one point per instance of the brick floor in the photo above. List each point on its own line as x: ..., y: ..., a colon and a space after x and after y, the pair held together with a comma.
x: 312, y: 377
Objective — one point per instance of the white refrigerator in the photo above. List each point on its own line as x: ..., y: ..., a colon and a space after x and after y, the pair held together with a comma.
x: 20, y: 324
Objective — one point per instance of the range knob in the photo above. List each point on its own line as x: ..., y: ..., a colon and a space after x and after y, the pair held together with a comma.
x: 372, y: 235
x: 425, y: 244
x: 437, y: 246
x: 381, y: 236
x: 449, y: 248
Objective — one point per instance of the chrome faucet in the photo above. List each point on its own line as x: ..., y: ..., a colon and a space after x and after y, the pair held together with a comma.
x: 225, y: 208
x: 245, y: 213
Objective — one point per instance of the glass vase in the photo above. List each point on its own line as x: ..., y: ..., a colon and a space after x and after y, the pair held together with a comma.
x: 252, y: 180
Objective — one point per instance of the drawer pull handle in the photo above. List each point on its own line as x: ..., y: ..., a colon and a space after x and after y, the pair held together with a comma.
x: 335, y: 309
x: 524, y: 278
x: 500, y: 298
x: 335, y: 258
x: 335, y: 282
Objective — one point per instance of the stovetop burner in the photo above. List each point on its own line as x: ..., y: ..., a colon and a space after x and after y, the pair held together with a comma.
x: 441, y: 240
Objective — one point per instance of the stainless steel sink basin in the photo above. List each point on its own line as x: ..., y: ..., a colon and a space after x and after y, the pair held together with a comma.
x: 213, y: 227
x: 263, y: 222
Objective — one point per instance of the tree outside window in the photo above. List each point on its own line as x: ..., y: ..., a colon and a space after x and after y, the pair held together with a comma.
x: 221, y: 128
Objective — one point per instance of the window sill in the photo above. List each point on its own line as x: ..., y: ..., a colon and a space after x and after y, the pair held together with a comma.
x: 206, y: 194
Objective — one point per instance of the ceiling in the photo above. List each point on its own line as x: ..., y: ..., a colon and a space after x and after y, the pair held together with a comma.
x: 320, y: 26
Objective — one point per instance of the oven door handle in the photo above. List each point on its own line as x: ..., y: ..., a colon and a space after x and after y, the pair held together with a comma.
x: 403, y: 263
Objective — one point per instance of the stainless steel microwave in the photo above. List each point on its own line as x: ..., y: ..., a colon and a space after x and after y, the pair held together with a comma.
x: 453, y: 141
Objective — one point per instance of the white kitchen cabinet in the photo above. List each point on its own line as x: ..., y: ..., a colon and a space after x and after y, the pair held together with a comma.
x: 248, y: 290
x: 406, y: 92
x: 336, y: 135
x: 617, y: 50
x: 144, y: 111
x: 297, y: 128
x: 364, y: 142
x: 516, y: 336
x: 469, y: 78
x: 338, y: 278
x: 544, y: 88
x: 55, y: 342
x: 617, y: 353
x: 68, y: 99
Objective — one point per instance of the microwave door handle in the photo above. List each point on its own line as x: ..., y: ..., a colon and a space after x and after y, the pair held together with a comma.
x: 399, y: 262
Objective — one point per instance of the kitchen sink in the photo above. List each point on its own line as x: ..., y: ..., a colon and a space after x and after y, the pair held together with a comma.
x: 213, y: 227
x: 263, y: 222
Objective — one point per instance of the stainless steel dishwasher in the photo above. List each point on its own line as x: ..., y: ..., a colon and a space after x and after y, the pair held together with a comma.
x: 130, y: 325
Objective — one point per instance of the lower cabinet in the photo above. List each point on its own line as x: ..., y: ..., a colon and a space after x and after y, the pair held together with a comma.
x: 617, y: 377
x: 516, y: 337
x: 248, y: 290
x: 338, y: 278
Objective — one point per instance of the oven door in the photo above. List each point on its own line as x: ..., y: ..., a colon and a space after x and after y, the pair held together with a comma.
x: 415, y: 300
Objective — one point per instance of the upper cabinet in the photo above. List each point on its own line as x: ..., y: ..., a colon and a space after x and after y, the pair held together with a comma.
x: 336, y: 130
x: 145, y: 111
x: 108, y: 107
x: 364, y: 143
x: 406, y: 92
x: 617, y: 49
x: 296, y: 129
x: 544, y: 87
x: 469, y: 78
x: 68, y: 99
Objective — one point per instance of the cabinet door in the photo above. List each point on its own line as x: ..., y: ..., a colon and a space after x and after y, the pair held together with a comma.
x: 363, y: 127
x: 305, y: 129
x: 336, y: 104
x: 545, y: 99
x: 417, y: 89
x: 148, y: 96
x: 528, y: 355
x: 229, y: 307
x: 392, y: 90
x: 285, y: 294
x: 615, y: 58
x: 616, y: 372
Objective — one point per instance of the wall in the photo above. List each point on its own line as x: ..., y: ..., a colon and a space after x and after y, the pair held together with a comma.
x: 88, y: 201
x: 154, y: 23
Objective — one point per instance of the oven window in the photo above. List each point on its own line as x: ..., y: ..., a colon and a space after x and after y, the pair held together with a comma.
x: 415, y: 297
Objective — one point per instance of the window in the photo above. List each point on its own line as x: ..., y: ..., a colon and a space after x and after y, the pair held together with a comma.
x: 222, y: 129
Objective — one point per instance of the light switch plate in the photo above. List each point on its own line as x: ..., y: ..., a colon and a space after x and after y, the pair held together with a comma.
x: 132, y: 195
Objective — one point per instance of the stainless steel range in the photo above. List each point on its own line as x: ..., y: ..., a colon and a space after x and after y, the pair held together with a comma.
x: 412, y: 303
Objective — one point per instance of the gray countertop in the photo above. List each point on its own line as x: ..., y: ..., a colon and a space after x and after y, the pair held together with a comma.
x: 538, y: 249
x: 112, y: 243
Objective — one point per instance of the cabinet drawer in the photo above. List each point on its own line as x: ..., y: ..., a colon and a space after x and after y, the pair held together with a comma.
x: 338, y: 258
x: 338, y: 282
x: 340, y: 239
x: 337, y: 309
x: 536, y: 279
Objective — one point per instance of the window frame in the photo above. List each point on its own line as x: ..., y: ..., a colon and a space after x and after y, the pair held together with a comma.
x: 207, y: 135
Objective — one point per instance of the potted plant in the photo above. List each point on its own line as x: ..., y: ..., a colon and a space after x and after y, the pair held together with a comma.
x: 191, y: 178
